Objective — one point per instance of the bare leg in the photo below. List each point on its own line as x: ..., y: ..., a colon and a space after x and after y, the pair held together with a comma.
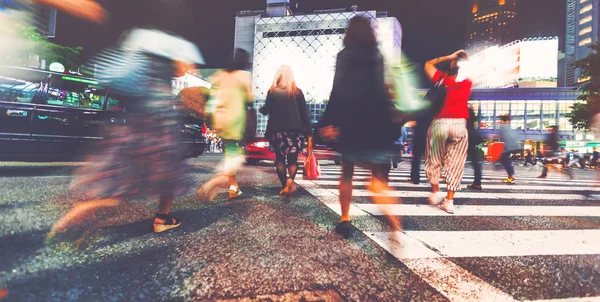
x: 80, y: 213
x: 346, y: 190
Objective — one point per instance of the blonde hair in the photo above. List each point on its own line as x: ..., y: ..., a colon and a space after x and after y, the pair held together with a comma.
x: 284, y: 79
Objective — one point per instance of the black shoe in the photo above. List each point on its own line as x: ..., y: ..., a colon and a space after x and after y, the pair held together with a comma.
x: 395, y: 165
x: 410, y: 181
x: 475, y: 187
x: 343, y: 228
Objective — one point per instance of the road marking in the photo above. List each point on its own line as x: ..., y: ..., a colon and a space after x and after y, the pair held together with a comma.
x: 475, y: 195
x: 407, y: 174
x: 584, y: 299
x: 469, y: 179
x: 469, y: 210
x: 493, y: 186
x: 510, y: 243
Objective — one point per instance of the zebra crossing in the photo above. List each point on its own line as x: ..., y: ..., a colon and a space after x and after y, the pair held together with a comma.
x: 497, y: 243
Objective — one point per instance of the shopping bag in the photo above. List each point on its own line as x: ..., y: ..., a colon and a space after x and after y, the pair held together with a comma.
x: 407, y: 99
x: 495, y: 151
x: 312, y: 171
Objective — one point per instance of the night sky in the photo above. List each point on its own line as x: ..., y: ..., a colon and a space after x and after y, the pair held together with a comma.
x: 431, y: 27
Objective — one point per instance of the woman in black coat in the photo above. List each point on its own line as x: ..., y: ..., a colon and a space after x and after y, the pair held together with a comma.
x: 358, y: 116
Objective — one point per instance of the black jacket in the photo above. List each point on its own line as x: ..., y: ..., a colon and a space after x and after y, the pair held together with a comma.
x: 360, y: 104
x: 475, y: 137
x: 285, y: 113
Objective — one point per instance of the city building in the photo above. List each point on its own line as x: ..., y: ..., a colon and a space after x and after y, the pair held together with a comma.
x: 43, y: 18
x: 583, y: 29
x: 189, y: 80
x: 309, y: 44
x: 526, y: 63
x: 491, y: 22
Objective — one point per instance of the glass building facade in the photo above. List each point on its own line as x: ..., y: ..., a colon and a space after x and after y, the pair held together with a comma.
x: 309, y: 44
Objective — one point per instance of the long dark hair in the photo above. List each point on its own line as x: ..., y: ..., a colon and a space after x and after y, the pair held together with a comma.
x: 359, y: 33
x: 240, y: 61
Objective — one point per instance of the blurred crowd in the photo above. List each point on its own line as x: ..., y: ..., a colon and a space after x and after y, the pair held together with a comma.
x: 142, y: 159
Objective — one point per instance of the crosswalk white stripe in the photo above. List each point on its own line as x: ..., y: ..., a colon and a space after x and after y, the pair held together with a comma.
x: 496, y: 186
x: 486, y: 210
x: 584, y: 299
x: 510, y: 243
x: 476, y: 195
x: 469, y: 179
x: 407, y: 174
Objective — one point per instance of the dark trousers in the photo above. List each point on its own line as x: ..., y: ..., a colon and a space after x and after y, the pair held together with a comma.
x: 476, y: 162
x: 415, y: 170
x: 566, y: 170
x: 507, y: 163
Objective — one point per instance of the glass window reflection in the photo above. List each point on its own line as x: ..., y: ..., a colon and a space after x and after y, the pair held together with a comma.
x: 475, y: 106
x: 502, y: 108
x: 487, y: 115
x: 549, y: 111
x: 534, y: 111
x: 518, y: 115
x: 564, y: 108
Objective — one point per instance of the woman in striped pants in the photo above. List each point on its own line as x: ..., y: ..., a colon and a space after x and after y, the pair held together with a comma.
x: 448, y: 138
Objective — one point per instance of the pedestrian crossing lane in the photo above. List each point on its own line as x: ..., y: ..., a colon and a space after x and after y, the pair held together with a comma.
x: 534, y: 217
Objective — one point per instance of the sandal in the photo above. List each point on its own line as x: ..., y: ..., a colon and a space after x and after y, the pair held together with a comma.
x: 170, y: 223
x: 234, y: 193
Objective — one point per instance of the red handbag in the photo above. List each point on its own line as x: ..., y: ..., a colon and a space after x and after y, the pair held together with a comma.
x: 312, y: 171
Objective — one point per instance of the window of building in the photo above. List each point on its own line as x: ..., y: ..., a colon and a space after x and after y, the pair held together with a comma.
x: 564, y: 108
x: 475, y: 106
x: 517, y: 114
x: 549, y: 114
x: 502, y: 108
x: 585, y: 31
x: 487, y: 115
x: 585, y: 20
x: 534, y: 111
x: 585, y: 41
x: 586, y: 9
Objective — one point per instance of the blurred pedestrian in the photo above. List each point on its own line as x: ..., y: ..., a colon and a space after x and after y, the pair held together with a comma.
x: 233, y: 88
x: 288, y: 126
x: 142, y: 158
x: 359, y: 93
x: 553, y: 157
x: 511, y: 145
x: 448, y: 137
x: 595, y: 158
x: 475, y: 139
x: 418, y: 146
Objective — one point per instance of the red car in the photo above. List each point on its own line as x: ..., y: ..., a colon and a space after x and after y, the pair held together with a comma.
x: 258, y: 149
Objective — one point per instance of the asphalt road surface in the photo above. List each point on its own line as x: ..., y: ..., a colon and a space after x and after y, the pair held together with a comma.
x: 537, y: 239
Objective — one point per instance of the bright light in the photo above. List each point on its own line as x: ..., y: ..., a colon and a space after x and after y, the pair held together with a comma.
x: 528, y: 59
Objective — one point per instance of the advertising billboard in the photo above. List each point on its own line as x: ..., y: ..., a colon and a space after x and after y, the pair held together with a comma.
x: 523, y: 60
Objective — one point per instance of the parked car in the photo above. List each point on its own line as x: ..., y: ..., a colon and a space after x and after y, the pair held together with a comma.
x: 259, y: 149
x: 47, y: 115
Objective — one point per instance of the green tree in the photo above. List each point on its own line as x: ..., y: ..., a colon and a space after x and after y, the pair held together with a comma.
x: 38, y: 44
x: 582, y: 112
x: 193, y: 101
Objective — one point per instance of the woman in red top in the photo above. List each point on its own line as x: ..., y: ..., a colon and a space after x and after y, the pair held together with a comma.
x: 447, y: 138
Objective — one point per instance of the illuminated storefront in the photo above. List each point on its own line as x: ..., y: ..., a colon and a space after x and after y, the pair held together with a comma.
x: 533, y: 111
